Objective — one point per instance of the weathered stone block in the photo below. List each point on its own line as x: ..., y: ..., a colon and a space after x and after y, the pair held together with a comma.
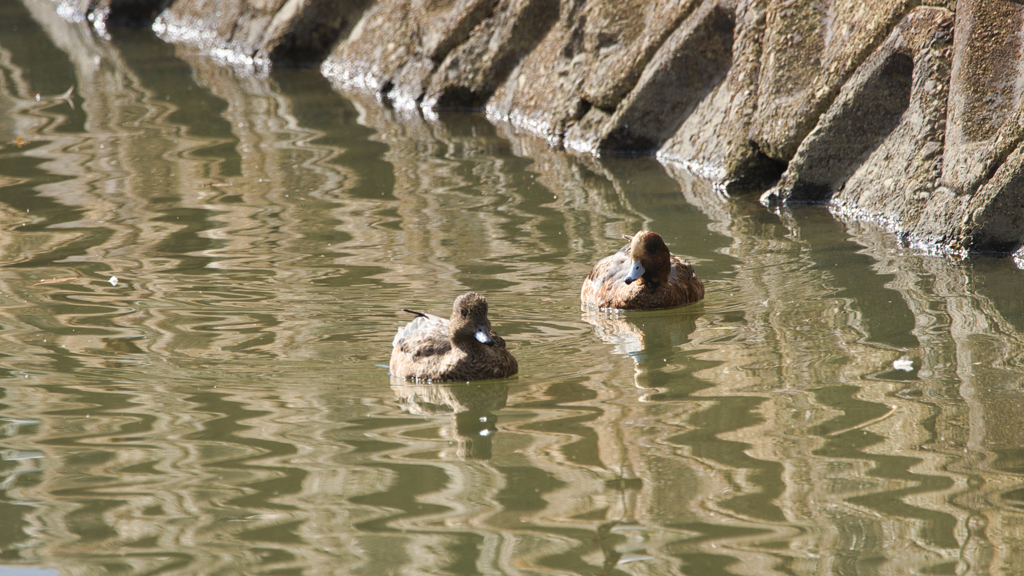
x: 303, y: 32
x: 541, y: 94
x: 471, y: 73
x: 687, y: 67
x: 619, y: 39
x: 991, y: 220
x: 398, y: 44
x: 591, y: 57
x: 713, y: 140
x: 876, y: 152
x: 260, y: 33
x: 233, y: 29
x: 810, y: 49
x: 984, y: 93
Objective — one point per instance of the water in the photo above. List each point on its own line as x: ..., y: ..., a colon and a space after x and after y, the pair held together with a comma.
x: 837, y: 404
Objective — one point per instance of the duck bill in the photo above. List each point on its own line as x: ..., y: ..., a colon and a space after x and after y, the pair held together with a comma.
x: 483, y: 336
x: 635, y: 272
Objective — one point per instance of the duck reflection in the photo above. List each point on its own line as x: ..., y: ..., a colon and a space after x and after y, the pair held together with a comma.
x: 649, y: 338
x: 622, y: 539
x: 471, y: 406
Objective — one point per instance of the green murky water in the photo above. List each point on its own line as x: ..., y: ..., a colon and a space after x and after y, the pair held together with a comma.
x: 837, y: 404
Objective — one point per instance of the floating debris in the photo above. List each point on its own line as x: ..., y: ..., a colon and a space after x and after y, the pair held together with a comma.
x: 905, y: 364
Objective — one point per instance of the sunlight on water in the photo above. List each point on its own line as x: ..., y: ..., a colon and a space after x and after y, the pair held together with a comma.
x: 836, y: 405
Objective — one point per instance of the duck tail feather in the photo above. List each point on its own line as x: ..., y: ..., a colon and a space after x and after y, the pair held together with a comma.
x: 414, y: 312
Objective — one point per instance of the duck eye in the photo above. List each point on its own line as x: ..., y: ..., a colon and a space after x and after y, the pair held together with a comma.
x: 464, y: 314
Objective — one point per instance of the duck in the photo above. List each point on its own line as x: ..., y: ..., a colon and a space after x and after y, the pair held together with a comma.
x: 643, y: 275
x: 463, y: 347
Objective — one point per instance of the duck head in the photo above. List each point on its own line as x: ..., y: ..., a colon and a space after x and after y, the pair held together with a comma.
x: 649, y: 257
x: 469, y: 321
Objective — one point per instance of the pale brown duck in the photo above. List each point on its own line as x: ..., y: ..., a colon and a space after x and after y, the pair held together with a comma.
x: 643, y: 275
x: 462, y: 348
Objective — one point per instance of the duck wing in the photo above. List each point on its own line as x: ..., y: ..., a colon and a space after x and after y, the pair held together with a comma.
x: 425, y: 336
x: 607, y: 279
x: 684, y: 280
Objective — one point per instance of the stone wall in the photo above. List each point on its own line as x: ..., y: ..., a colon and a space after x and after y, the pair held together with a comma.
x: 905, y: 112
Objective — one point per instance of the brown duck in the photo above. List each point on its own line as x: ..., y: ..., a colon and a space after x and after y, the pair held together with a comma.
x: 462, y: 348
x: 643, y: 275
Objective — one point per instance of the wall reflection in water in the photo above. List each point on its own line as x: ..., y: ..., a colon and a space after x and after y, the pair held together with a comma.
x: 837, y: 404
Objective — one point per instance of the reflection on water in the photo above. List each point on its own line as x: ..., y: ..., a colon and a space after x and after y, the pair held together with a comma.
x: 471, y: 407
x: 837, y: 404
